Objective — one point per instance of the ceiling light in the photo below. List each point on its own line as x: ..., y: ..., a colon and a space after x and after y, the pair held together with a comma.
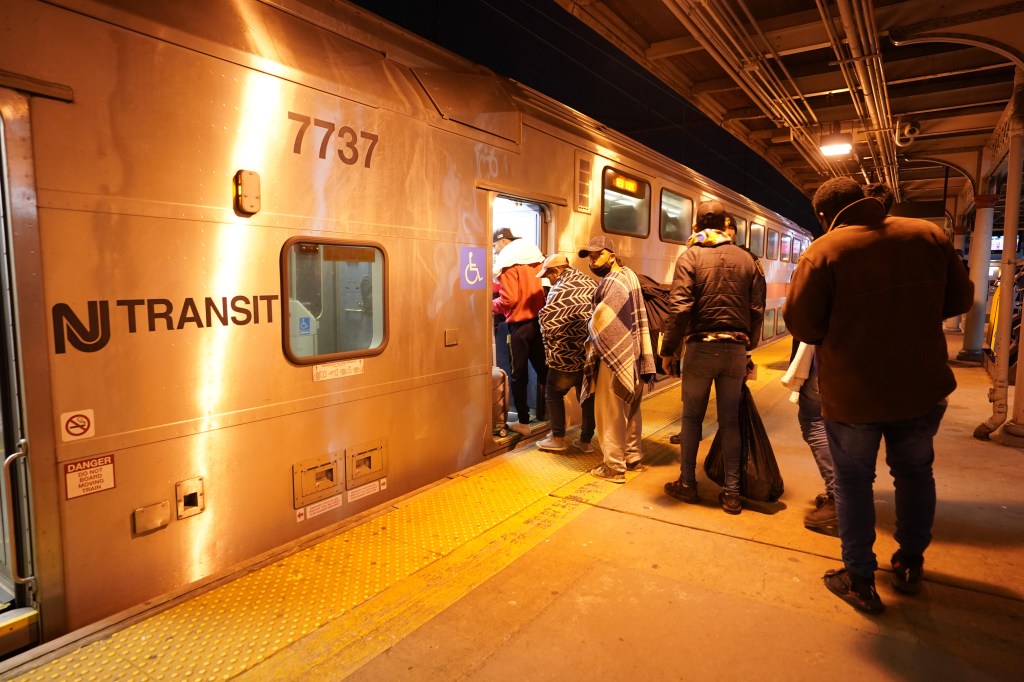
x: 836, y: 144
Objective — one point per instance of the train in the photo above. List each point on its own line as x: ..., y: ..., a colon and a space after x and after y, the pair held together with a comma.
x: 247, y: 279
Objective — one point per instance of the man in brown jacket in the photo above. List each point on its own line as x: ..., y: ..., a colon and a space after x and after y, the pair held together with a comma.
x: 871, y: 294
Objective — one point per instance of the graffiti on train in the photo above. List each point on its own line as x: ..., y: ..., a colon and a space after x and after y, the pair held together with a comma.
x: 154, y: 314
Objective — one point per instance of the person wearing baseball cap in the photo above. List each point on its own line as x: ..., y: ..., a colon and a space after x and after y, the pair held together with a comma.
x: 563, y: 325
x: 520, y: 298
x: 621, y: 361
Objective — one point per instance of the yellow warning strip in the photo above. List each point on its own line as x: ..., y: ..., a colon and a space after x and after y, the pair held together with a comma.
x: 332, y: 607
x: 347, y: 643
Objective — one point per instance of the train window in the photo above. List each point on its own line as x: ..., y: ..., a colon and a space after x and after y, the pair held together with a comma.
x: 798, y: 245
x: 784, y: 248
x: 741, y: 230
x: 336, y: 300
x: 676, y: 217
x: 626, y: 204
x: 780, y: 324
x: 772, y: 248
x: 757, y: 240
x: 769, y: 324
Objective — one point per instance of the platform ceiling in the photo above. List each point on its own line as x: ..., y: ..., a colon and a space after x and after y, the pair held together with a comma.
x: 922, y: 85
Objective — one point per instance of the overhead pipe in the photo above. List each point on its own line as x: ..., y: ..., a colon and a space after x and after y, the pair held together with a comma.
x: 723, y: 39
x: 855, y: 27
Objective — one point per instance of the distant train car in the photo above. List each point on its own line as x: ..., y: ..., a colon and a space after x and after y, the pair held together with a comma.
x: 247, y: 278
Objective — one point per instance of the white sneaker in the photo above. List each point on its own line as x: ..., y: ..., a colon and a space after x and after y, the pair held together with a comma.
x: 555, y: 443
x: 520, y: 428
x: 585, y: 447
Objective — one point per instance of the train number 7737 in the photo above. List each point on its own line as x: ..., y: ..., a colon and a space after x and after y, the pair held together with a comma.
x: 348, y: 147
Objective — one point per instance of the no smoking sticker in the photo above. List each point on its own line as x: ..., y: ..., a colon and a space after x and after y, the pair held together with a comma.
x: 77, y: 425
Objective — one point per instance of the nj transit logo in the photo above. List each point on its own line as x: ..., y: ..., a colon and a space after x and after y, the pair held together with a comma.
x: 137, y: 315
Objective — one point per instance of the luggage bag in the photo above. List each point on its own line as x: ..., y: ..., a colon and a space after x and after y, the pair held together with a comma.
x: 499, y: 401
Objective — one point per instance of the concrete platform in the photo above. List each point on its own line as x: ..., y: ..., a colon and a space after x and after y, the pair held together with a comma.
x: 644, y: 587
x: 584, y: 579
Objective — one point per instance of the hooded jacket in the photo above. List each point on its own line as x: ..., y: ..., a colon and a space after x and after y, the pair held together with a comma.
x: 717, y: 287
x: 872, y: 294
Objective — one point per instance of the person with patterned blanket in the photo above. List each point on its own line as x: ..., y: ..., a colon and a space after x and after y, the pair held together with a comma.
x: 620, y: 360
x: 563, y: 324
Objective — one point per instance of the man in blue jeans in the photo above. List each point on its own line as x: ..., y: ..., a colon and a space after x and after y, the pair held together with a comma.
x: 871, y: 294
x: 563, y: 325
x: 717, y: 306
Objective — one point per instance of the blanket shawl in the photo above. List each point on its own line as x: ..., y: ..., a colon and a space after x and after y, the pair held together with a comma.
x: 620, y: 338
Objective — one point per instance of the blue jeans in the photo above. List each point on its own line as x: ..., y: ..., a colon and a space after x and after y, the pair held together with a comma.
x: 558, y: 384
x: 725, y: 365
x: 812, y: 427
x: 909, y: 454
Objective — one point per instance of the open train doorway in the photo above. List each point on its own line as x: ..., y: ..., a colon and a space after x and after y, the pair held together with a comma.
x: 18, y: 615
x: 527, y: 220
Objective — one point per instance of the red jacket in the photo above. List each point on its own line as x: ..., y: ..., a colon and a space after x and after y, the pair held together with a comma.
x: 520, y: 294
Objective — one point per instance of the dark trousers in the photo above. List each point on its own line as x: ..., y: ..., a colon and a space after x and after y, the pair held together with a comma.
x: 909, y: 454
x: 812, y: 427
x: 527, y: 348
x: 557, y: 385
x: 725, y: 365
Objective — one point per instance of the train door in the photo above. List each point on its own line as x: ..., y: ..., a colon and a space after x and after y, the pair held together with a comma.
x: 18, y: 616
x: 527, y: 220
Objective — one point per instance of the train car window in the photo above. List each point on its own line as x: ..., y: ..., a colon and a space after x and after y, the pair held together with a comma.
x: 769, y: 324
x: 784, y: 248
x: 798, y: 245
x: 626, y: 204
x: 336, y: 300
x: 757, y: 240
x: 741, y: 230
x: 772, y: 249
x: 676, y: 217
x: 780, y: 324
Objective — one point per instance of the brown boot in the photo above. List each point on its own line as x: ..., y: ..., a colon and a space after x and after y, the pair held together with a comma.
x: 824, y: 516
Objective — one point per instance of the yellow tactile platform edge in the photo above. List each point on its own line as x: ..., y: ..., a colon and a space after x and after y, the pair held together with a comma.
x: 367, y: 586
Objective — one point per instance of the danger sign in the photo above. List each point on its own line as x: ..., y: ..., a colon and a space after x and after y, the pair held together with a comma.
x: 88, y: 476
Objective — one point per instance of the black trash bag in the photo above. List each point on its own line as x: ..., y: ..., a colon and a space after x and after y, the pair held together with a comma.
x: 760, y: 478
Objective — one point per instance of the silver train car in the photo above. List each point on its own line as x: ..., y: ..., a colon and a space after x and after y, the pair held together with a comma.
x: 247, y: 279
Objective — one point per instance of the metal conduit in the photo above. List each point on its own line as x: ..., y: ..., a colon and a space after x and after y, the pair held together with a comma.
x: 726, y: 40
x: 844, y: 69
x: 860, y: 29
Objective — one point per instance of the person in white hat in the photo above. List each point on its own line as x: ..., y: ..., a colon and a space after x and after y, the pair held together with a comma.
x: 520, y: 298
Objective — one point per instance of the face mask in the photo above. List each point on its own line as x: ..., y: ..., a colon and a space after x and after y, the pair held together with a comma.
x: 601, y: 270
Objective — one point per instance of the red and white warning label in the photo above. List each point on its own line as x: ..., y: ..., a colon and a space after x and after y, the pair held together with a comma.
x: 89, y: 476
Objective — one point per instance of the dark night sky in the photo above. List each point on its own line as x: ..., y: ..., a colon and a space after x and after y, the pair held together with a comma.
x: 539, y: 44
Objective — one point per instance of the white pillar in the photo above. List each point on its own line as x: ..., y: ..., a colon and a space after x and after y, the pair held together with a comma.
x: 978, y: 260
x: 1013, y: 430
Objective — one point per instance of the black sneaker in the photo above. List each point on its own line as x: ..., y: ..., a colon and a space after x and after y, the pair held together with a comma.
x: 635, y: 466
x: 687, y: 492
x: 856, y: 591
x: 730, y: 502
x: 906, y: 572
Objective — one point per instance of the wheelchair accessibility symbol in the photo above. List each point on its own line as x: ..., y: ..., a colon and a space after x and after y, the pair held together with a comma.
x: 472, y: 264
